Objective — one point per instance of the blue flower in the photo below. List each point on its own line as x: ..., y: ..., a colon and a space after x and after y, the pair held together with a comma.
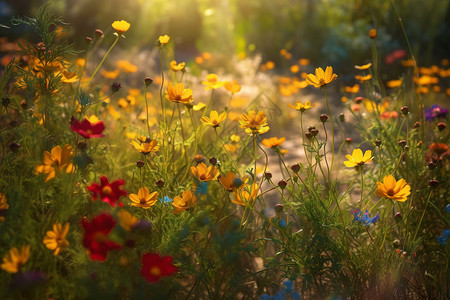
x: 442, y: 240
x: 283, y: 223
x: 286, y: 293
x: 202, y: 188
x: 435, y: 112
x: 446, y: 233
x: 364, y: 218
x: 447, y: 208
x: 166, y: 199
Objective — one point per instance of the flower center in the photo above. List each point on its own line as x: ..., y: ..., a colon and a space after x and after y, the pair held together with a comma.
x: 89, y: 132
x: 178, y: 97
x: 143, y: 201
x: 155, y: 271
x: 99, y: 237
x: 202, y: 177
x: 390, y: 192
x: 321, y: 81
x: 107, y: 190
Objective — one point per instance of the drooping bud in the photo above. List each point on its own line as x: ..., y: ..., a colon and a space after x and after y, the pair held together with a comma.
x: 115, y: 87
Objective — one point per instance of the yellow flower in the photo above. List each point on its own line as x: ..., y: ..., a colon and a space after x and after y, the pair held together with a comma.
x: 246, y: 195
x: 56, y: 239
x: 3, y: 206
x: 352, y: 89
x: 363, y: 78
x: 179, y: 94
x: 164, y: 39
x: 177, y: 67
x: 15, y: 259
x: 232, y: 86
x: 253, y: 121
x: 110, y: 74
x: 363, y: 67
x: 321, y: 78
x: 212, y: 82
x: 56, y: 161
x: 273, y: 142
x: 214, y: 119
x: 236, y: 102
x: 394, y: 83
x: 302, y: 107
x: 146, y: 147
x: 199, y: 106
x: 126, y: 66
x: 227, y: 181
x: 185, y: 202
x: 143, y: 198
x: 235, y: 138
x: 68, y: 77
x: 121, y: 26
x: 392, y: 189
x: 126, y: 220
x: 204, y: 173
x: 357, y: 158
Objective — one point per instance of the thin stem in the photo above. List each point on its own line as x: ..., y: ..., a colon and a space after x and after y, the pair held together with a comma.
x: 104, y: 57
x: 146, y: 108
x: 332, y: 134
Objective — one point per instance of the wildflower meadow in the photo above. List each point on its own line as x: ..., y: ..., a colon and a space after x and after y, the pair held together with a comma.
x: 255, y: 150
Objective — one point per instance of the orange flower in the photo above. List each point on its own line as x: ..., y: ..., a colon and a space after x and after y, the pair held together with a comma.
x: 179, y: 94
x: 15, y: 259
x: 352, y: 89
x: 321, y: 78
x: 204, y: 173
x: 56, y: 239
x: 246, y: 195
x: 363, y: 78
x: 121, y: 26
x: 143, y: 198
x: 126, y: 66
x: 185, y: 202
x: 232, y: 86
x: 253, y: 121
x: 392, y: 189
x: 394, y: 83
x: 56, y: 161
x: 177, y: 67
x: 273, y: 142
x: 363, y: 67
x: 228, y: 181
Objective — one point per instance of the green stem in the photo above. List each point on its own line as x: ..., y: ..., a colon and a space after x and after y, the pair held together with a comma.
x: 146, y: 109
x: 103, y: 59
x: 332, y: 134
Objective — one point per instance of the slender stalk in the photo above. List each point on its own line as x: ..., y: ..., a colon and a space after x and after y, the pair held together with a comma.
x: 146, y: 108
x: 104, y: 57
x: 303, y: 137
x: 332, y: 134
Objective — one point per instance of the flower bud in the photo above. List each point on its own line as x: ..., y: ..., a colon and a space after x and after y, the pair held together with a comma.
x: 98, y: 33
x: 431, y: 165
x: 279, y: 208
x: 237, y: 182
x: 314, y: 131
x: 309, y: 135
x: 405, y: 110
x: 282, y: 183
x: 115, y: 87
x: 441, y: 126
x: 433, y: 183
x: 342, y: 117
x: 417, y: 125
x: 6, y: 101
x: 14, y: 147
x: 82, y: 145
x: 377, y: 142
x: 24, y: 104
x: 311, y: 128
x: 398, y: 215
x: 159, y: 183
x: 140, y: 163
x: 148, y: 81
x: 323, y: 118
x: 358, y: 100
x: 396, y: 243
x: 88, y: 40
x: 295, y: 168
x: 267, y: 175
x: 213, y: 161
x: 402, y: 143
x: 198, y: 158
x: 373, y: 33
x: 348, y: 140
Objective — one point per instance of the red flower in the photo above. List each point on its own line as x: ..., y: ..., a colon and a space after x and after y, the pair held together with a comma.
x: 95, y: 236
x: 154, y: 266
x: 108, y: 192
x: 87, y: 129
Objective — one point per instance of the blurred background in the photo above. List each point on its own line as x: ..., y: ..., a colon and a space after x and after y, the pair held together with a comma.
x: 328, y: 32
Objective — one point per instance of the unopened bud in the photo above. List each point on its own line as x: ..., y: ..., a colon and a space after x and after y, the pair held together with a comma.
x: 314, y: 131
x: 282, y: 183
x: 417, y: 125
x: 431, y: 165
x: 323, y: 118
x: 405, y: 110
x: 148, y: 81
x: 309, y: 135
x: 98, y: 33
x: 402, y: 143
x: 213, y: 161
x: 14, y: 147
x: 441, y: 126
x: 348, y: 140
x: 88, y: 40
x: 140, y: 163
x: 115, y: 87
x: 342, y: 117
x: 198, y: 158
x: 433, y: 183
x: 295, y: 168
x: 267, y: 175
x: 279, y: 208
x: 358, y: 100
x: 159, y: 183
x: 373, y: 33
x: 377, y: 143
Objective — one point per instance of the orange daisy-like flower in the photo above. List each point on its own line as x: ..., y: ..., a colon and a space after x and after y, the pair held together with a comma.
x: 321, y: 78
x: 357, y: 158
x: 246, y: 195
x: 183, y: 203
x: 214, y: 119
x: 126, y: 66
x: 204, y: 173
x: 121, y: 26
x: 212, y: 82
x: 179, y: 94
x: 352, y: 89
x: 363, y: 67
x: 363, y: 78
x: 146, y: 147
x: 126, y: 220
x: 273, y: 142
x: 177, y: 67
x: 56, y: 161
x: 56, y: 239
x: 228, y: 181
x: 232, y: 86
x: 301, y: 107
x: 15, y: 259
x: 144, y: 198
x: 394, y: 83
x: 253, y: 121
x: 392, y: 189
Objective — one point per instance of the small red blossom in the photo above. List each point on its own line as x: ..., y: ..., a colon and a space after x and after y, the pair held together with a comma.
x: 108, y: 192
x: 87, y: 129
x: 95, y: 236
x: 154, y: 266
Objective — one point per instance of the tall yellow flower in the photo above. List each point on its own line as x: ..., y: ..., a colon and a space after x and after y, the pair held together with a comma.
x: 15, y: 259
x: 146, y: 147
x: 214, y: 119
x: 212, y: 82
x: 126, y: 220
x: 177, y: 67
x: 357, y: 158
x: 392, y: 189
x: 121, y: 26
x: 232, y: 86
x: 253, y: 121
x: 56, y: 161
x: 183, y: 203
x: 301, y: 107
x: 143, y: 198
x: 321, y: 78
x: 246, y: 195
x: 56, y: 239
x: 164, y: 39
x: 204, y: 173
x: 179, y: 94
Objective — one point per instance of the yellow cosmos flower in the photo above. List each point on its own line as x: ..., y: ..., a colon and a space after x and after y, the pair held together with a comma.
x: 144, y: 198
x: 227, y: 181
x: 164, y: 39
x: 146, y: 147
x: 301, y: 107
x: 232, y: 86
x: 235, y: 138
x: 56, y: 239
x: 357, y: 158
x: 185, y: 202
x: 394, y: 83
x: 392, y: 189
x: 121, y: 26
x: 321, y: 78
x: 199, y: 106
x: 253, y: 121
x: 246, y: 195
x: 179, y: 94
x: 126, y: 66
x: 126, y: 220
x: 214, y: 119
x: 363, y: 78
x: 273, y: 142
x: 177, y: 67
x: 68, y: 77
x: 212, y: 82
x: 56, y: 161
x: 110, y: 74
x: 363, y: 67
x: 204, y: 173
x: 15, y: 259
x: 352, y: 89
